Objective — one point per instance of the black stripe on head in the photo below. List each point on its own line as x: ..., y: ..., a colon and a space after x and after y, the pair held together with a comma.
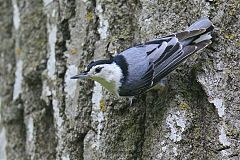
x: 122, y: 63
x: 92, y: 64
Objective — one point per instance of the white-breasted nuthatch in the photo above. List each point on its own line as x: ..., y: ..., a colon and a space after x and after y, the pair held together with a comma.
x: 139, y: 68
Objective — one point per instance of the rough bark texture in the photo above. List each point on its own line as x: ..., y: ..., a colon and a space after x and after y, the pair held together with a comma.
x: 45, y: 115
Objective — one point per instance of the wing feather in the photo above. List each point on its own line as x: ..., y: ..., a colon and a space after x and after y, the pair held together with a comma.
x: 163, y: 52
x: 157, y: 58
x: 167, y: 61
x: 168, y: 52
x: 189, y: 34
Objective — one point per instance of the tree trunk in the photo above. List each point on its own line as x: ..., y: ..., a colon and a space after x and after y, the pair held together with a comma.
x: 46, y: 115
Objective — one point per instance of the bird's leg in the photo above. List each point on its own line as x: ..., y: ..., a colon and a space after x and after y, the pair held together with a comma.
x: 161, y: 86
x: 130, y: 100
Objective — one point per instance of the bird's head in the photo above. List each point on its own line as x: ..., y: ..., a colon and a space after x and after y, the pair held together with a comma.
x: 106, y: 72
x: 100, y: 69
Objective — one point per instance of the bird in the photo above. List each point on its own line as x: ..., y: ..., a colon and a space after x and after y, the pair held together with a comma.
x: 138, y: 69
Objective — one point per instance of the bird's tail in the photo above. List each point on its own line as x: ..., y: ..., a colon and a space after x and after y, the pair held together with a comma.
x: 197, y: 33
x: 201, y: 23
x: 194, y: 38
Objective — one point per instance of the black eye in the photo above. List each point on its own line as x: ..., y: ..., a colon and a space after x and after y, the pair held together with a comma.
x: 97, y: 70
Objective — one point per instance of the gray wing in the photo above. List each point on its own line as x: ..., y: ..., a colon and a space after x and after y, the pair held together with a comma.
x: 173, y: 53
x: 161, y: 56
x: 138, y: 62
x: 157, y: 58
x: 154, y: 52
x: 140, y: 59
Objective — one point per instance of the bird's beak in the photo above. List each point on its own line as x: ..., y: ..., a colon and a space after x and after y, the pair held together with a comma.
x: 82, y: 75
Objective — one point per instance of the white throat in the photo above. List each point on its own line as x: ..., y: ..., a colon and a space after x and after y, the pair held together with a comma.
x: 112, y: 77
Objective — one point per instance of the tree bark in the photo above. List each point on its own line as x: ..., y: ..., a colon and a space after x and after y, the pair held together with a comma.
x: 46, y: 115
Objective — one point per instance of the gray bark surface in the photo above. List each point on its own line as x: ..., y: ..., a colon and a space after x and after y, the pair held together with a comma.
x: 45, y: 115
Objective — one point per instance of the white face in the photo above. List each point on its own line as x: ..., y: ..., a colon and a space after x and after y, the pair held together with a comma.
x: 109, y: 75
x: 100, y: 71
